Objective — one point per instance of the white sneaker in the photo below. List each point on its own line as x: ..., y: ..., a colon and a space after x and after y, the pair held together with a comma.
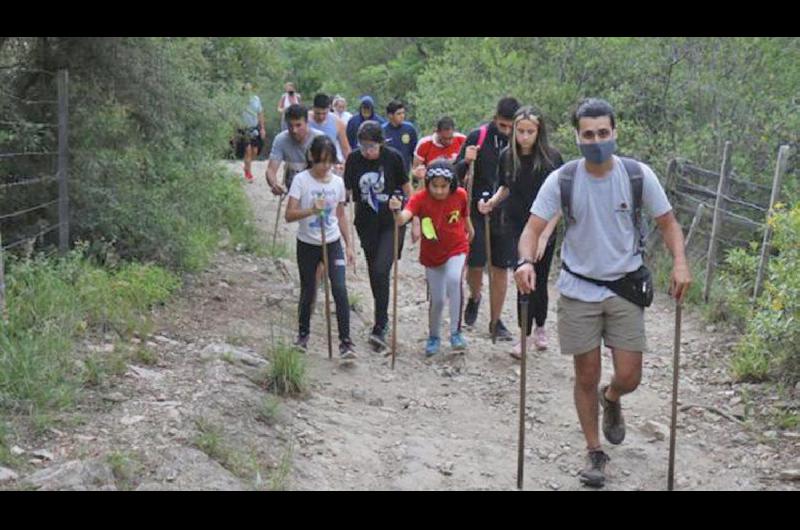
x: 540, y: 338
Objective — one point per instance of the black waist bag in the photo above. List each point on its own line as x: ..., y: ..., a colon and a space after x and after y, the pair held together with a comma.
x: 635, y: 287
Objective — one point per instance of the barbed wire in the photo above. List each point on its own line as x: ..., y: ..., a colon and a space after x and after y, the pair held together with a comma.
x: 29, y: 153
x: 27, y: 123
x: 33, y: 209
x: 29, y: 181
x: 20, y: 68
x: 34, y: 237
x: 28, y: 101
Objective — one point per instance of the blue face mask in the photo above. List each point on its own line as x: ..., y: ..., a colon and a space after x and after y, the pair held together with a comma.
x: 599, y: 152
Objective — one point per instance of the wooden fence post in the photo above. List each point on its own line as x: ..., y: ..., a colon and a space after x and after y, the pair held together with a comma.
x: 2, y: 280
x: 780, y: 169
x: 698, y: 214
x: 722, y: 190
x: 63, y: 161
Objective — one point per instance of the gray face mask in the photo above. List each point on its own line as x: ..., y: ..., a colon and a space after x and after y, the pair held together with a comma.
x: 599, y: 152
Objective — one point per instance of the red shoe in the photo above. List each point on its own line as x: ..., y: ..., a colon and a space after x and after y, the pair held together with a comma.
x: 248, y: 176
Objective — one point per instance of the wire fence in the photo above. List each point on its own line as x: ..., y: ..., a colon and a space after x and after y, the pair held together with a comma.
x: 29, y: 232
x: 725, y: 211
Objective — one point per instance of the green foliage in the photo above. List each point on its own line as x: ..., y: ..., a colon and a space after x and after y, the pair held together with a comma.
x: 733, y: 288
x: 772, y: 334
x: 52, y: 302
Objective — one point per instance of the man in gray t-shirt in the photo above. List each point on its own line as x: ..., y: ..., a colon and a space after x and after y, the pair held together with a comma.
x: 290, y: 148
x: 602, y: 244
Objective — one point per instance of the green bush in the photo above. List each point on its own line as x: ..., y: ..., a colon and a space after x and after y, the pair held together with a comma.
x: 772, y: 334
x: 53, y: 301
x: 287, y: 371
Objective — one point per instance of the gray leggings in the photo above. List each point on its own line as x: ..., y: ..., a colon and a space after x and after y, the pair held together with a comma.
x: 445, y: 282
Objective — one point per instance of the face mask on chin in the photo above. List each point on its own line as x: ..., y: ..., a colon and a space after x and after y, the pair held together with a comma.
x: 598, y: 153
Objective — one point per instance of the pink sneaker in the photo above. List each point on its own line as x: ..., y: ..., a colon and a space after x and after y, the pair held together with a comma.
x: 540, y: 338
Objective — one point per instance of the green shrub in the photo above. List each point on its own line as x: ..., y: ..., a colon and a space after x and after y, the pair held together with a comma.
x: 287, y: 371
x: 53, y: 301
x: 773, y: 332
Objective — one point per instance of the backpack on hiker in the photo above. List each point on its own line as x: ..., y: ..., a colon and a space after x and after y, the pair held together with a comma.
x: 636, y: 286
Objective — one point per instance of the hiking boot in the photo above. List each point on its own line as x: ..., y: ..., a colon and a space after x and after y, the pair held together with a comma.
x: 613, y: 421
x: 471, y: 312
x: 377, y: 339
x: 301, y: 342
x: 457, y: 342
x: 593, y: 474
x: 500, y: 331
x: 540, y: 338
x: 347, y: 349
x: 432, y: 346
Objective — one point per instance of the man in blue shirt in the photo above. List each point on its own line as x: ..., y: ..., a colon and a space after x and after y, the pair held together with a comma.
x: 399, y: 133
x: 366, y: 111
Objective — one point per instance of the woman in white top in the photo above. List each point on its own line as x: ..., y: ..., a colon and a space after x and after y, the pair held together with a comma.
x: 340, y: 109
x: 317, y: 196
x: 290, y: 97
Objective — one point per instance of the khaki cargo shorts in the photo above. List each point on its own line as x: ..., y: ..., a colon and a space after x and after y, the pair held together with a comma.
x: 618, y: 322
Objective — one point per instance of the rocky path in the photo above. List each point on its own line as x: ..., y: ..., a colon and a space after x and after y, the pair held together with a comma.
x: 197, y: 416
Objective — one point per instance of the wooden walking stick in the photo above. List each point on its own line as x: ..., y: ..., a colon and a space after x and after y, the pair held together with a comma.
x: 487, y: 238
x: 394, y: 282
x: 468, y: 180
x: 325, y: 282
x: 675, y: 368
x: 523, y: 308
x: 277, y: 219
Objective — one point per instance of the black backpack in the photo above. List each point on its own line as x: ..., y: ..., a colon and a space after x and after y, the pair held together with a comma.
x: 566, y: 177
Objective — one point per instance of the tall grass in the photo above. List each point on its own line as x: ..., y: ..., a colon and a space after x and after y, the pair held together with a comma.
x: 54, y: 301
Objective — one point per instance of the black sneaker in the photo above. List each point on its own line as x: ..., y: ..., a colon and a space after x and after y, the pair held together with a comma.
x: 613, y: 421
x: 377, y: 339
x: 471, y: 312
x: 593, y: 474
x: 347, y: 349
x: 501, y: 331
x: 301, y: 342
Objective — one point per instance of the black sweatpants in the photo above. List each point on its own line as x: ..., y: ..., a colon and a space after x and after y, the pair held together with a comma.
x: 378, y: 245
x: 308, y: 257
x: 538, y: 299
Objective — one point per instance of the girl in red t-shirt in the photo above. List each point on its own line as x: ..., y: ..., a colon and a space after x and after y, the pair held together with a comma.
x: 446, y: 234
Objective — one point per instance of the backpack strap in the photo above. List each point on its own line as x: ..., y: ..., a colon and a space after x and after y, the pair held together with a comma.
x: 636, y: 176
x: 566, y: 175
x: 482, y: 132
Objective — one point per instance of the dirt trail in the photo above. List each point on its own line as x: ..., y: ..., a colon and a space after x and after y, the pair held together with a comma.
x: 447, y: 423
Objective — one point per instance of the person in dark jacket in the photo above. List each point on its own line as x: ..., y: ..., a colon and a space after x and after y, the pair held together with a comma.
x: 366, y: 111
x: 494, y: 136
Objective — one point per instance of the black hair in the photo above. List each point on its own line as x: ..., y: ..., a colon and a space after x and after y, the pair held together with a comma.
x: 445, y: 123
x: 370, y: 131
x: 542, y: 152
x: 441, y: 168
x: 394, y: 106
x: 321, y: 148
x: 322, y: 101
x: 593, y: 108
x: 295, y: 112
x: 506, y: 107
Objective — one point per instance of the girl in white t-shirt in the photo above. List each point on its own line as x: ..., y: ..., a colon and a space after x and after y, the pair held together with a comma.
x: 317, y: 196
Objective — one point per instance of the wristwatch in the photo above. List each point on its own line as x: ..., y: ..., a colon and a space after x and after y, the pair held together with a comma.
x: 523, y: 261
